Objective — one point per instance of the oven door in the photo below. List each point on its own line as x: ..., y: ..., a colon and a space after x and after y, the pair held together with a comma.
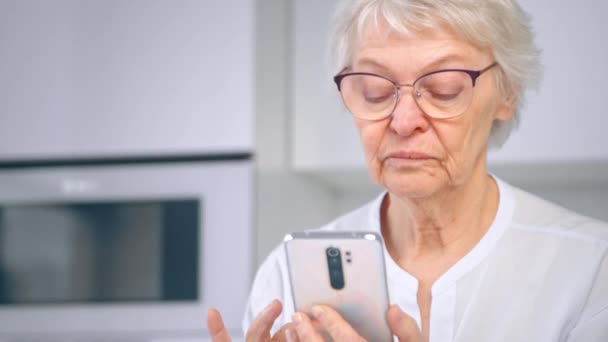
x: 124, y: 250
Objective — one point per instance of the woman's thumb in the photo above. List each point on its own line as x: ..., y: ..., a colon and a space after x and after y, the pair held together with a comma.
x: 403, y: 326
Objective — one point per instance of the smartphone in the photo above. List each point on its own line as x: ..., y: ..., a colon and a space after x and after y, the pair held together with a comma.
x: 344, y: 270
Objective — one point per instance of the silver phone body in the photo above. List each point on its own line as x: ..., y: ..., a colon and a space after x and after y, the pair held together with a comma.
x: 363, y: 300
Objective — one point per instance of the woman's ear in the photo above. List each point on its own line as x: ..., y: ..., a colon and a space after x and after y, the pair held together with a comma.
x: 506, y: 109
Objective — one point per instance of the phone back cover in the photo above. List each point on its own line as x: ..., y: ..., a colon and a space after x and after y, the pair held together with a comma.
x: 364, y: 299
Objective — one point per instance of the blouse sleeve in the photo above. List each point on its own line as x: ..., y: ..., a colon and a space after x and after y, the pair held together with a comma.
x: 593, y: 323
x: 271, y: 282
x: 594, y: 329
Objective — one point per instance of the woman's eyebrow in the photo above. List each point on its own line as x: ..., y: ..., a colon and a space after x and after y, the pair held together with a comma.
x: 433, y: 65
x: 452, y: 57
x: 366, y: 61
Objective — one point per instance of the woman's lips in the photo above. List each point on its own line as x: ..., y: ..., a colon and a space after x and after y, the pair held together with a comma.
x: 409, y: 155
x: 407, y: 158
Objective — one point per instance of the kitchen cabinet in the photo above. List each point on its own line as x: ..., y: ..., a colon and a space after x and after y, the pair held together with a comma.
x: 125, y: 78
x: 564, y: 122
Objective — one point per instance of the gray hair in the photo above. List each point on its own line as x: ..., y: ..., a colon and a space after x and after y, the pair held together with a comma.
x: 500, y: 25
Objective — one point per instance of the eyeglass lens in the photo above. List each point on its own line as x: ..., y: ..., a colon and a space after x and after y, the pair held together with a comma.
x: 440, y: 95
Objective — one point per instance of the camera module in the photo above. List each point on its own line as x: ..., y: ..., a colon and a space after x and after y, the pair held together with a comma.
x: 334, y: 264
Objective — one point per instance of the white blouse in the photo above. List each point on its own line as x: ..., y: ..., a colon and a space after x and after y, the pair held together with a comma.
x: 538, y: 274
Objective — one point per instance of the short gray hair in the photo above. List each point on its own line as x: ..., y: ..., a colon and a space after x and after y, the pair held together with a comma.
x: 500, y: 25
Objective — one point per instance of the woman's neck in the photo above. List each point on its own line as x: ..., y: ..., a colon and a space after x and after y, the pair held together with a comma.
x: 428, y: 236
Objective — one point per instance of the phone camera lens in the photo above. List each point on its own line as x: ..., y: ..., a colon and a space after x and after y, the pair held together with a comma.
x: 333, y: 252
x: 334, y: 264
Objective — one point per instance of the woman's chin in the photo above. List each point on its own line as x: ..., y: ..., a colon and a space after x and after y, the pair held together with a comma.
x: 411, y: 184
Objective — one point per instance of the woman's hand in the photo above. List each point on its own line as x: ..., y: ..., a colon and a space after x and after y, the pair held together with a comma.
x: 400, y: 324
x: 403, y: 326
x: 259, y: 331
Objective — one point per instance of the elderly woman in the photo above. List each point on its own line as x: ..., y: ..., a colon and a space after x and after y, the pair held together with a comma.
x: 431, y: 84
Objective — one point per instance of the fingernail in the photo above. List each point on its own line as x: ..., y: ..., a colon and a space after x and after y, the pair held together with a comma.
x: 296, y: 318
x: 268, y: 307
x: 317, y: 311
x: 290, y: 335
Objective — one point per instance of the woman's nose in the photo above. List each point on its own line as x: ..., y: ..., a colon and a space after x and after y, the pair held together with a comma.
x: 407, y: 117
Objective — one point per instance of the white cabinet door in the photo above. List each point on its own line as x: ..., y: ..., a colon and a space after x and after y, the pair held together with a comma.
x: 565, y: 121
x: 323, y: 134
x: 114, y: 77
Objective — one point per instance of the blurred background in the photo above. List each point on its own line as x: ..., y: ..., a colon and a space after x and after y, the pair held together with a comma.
x: 153, y: 152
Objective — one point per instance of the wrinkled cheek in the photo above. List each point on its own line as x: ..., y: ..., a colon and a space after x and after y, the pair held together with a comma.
x: 454, y: 171
x: 373, y: 165
x: 370, y: 141
x: 462, y: 161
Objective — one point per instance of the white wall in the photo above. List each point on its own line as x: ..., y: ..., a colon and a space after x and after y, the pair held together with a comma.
x: 565, y: 120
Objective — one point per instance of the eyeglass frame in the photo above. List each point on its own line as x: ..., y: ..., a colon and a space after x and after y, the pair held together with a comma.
x: 474, y: 74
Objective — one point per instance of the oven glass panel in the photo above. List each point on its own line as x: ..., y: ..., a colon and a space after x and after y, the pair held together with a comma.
x: 125, y: 251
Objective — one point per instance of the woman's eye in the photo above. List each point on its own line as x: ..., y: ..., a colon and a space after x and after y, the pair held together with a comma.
x: 444, y: 96
x: 377, y: 99
x: 443, y: 92
x: 377, y: 95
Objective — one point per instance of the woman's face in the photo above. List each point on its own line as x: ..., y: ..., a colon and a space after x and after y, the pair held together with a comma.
x: 409, y: 153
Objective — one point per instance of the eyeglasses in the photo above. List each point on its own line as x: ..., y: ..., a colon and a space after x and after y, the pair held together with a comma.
x: 441, y: 94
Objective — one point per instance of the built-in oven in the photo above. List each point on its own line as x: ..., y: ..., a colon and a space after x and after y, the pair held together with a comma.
x: 117, y: 251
